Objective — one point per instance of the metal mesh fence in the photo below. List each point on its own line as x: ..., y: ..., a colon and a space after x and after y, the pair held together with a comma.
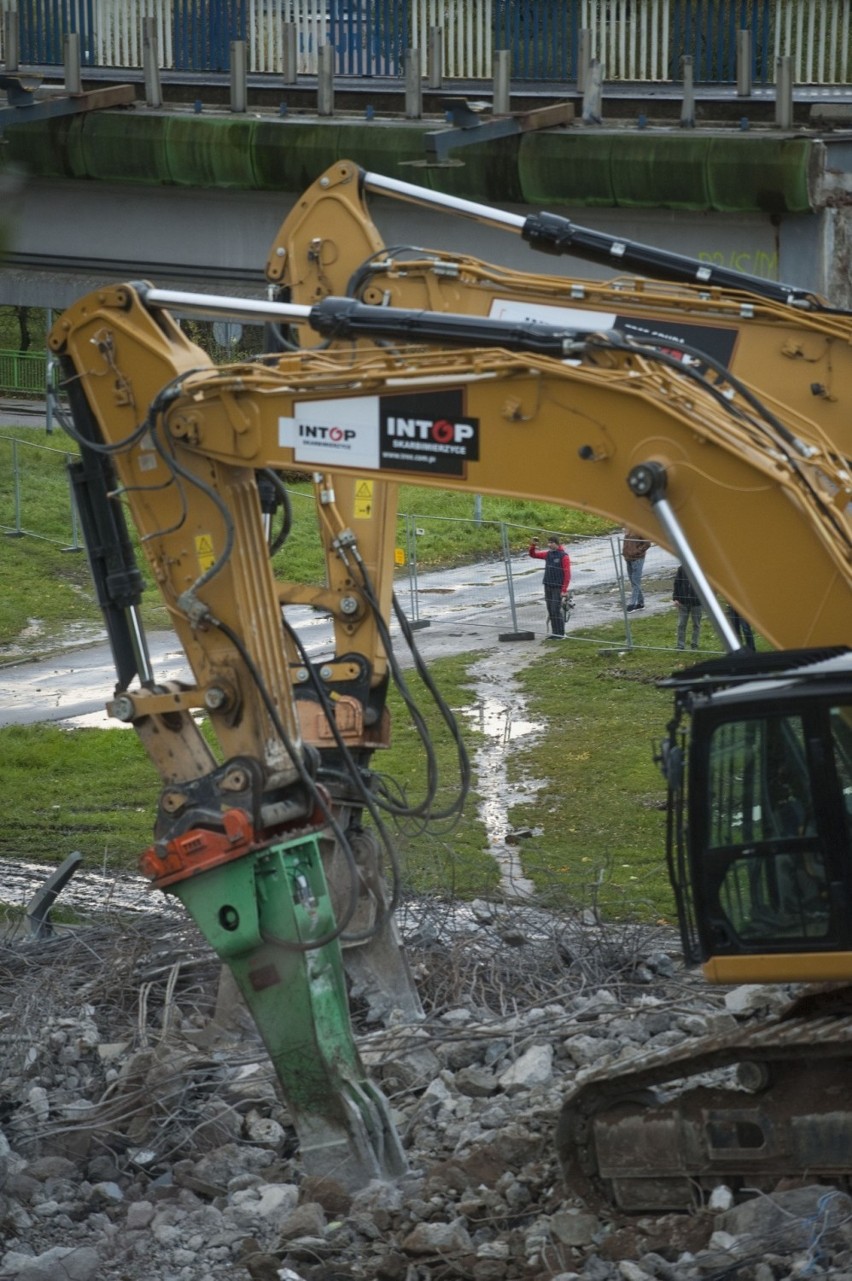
x: 499, y: 594
x: 35, y: 493
x: 22, y: 373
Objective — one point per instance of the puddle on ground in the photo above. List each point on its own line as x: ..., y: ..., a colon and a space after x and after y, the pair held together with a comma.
x: 501, y: 718
x: 93, y: 720
x: 32, y: 642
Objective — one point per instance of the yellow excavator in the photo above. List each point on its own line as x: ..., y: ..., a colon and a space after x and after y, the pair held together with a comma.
x: 758, y: 755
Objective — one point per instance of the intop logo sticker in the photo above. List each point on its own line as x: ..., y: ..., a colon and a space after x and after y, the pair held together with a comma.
x: 339, y: 432
x: 427, y: 432
x: 332, y: 435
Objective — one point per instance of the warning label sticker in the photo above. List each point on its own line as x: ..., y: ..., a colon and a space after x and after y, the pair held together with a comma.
x: 362, y: 508
x: 204, y: 551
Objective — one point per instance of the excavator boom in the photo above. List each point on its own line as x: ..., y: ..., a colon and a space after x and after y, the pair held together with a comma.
x: 785, y: 341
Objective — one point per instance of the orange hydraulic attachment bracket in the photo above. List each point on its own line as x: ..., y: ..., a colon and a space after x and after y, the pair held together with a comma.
x: 198, y: 850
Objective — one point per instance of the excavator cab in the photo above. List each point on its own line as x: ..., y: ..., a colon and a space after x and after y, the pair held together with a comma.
x: 760, y: 815
x: 758, y: 761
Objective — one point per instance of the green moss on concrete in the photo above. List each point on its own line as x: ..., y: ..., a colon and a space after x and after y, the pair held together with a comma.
x: 123, y: 147
x: 383, y: 147
x: 630, y: 168
x: 485, y: 171
x: 220, y: 154
x: 49, y: 149
x: 768, y: 174
x: 643, y: 169
x: 289, y: 154
x: 566, y: 168
x: 659, y: 171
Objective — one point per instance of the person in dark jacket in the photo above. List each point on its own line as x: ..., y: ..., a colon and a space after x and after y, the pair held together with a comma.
x: 557, y: 578
x: 742, y: 628
x: 688, y: 605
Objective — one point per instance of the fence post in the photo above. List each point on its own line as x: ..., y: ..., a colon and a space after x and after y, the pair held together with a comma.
x: 435, y: 58
x: 514, y: 634
x: 50, y: 366
x: 784, y: 92
x: 413, y: 85
x: 12, y: 40
x: 584, y: 58
x: 239, y: 99
x: 501, y: 98
x: 49, y: 393
x: 411, y: 560
x: 619, y: 578
x: 73, y: 79
x: 325, y: 80
x: 743, y: 64
x: 75, y: 540
x: 151, y: 63
x: 687, y: 110
x: 17, y: 532
x: 289, y: 53
x: 415, y: 622
x: 593, y: 95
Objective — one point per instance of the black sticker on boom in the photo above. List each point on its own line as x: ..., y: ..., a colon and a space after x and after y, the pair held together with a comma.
x: 427, y: 431
x: 672, y: 336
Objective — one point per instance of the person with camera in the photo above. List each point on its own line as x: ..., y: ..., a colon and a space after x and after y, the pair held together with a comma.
x: 557, y: 579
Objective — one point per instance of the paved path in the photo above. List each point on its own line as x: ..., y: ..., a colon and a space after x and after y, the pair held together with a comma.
x: 459, y: 610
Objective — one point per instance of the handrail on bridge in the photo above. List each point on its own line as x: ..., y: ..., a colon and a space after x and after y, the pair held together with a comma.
x: 644, y: 41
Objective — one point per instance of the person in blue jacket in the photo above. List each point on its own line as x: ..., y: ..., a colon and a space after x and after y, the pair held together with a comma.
x: 557, y: 579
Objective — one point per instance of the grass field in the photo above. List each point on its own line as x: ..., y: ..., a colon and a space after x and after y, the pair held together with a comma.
x: 596, y: 825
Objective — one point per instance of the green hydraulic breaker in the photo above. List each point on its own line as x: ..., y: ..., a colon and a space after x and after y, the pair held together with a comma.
x: 266, y: 913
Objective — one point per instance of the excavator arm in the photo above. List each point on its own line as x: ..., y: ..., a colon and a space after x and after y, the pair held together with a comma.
x: 245, y: 829
x: 783, y: 340
x: 595, y: 422
x: 546, y: 232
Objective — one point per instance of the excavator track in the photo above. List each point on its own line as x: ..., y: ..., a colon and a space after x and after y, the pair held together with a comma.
x: 785, y: 1111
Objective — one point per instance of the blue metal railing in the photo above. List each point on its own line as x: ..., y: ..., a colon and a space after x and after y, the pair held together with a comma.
x: 638, y: 40
x: 707, y: 32
x: 202, y: 33
x: 370, y: 39
x: 542, y: 37
x: 44, y: 25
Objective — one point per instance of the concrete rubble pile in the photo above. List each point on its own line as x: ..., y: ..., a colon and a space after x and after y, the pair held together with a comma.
x: 142, y: 1137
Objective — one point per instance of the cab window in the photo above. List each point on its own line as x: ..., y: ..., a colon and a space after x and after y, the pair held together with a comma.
x: 766, y: 870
